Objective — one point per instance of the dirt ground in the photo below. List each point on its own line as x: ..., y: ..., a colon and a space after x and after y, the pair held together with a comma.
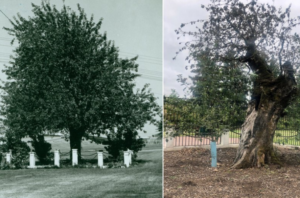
x: 187, y: 173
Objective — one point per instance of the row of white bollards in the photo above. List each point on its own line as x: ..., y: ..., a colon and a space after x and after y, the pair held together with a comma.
x: 127, y: 158
x: 75, y: 158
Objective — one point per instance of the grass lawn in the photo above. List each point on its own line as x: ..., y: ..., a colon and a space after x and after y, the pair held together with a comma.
x: 287, y: 137
x: 64, y: 146
x: 142, y: 180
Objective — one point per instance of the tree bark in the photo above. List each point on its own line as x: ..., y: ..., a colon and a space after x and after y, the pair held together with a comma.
x: 269, y: 101
x: 75, y: 141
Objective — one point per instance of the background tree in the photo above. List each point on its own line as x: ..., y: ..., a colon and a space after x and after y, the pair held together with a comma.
x: 42, y: 148
x: 219, y: 96
x: 260, y: 37
x: 65, y: 76
x: 126, y: 136
x: 218, y: 100
x: 119, y: 142
x: 13, y: 141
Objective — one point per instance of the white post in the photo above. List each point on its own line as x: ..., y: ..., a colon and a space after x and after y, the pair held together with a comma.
x: 169, y: 142
x: 130, y: 155
x: 31, y: 160
x: 100, y: 159
x: 225, y: 138
x: 74, y: 157
x: 8, y: 158
x: 126, y: 158
x: 56, y: 158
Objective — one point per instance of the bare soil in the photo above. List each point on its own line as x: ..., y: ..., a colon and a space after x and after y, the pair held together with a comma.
x: 188, y: 173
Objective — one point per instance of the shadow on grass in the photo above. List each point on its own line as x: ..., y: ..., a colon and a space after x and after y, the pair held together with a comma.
x: 142, y: 161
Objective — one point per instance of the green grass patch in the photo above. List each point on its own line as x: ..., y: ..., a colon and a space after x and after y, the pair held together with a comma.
x: 288, y: 137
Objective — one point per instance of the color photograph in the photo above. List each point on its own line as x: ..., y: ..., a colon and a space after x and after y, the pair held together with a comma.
x: 231, y: 98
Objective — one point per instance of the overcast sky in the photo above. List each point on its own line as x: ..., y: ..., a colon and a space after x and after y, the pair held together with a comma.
x: 135, y: 26
x: 177, y: 12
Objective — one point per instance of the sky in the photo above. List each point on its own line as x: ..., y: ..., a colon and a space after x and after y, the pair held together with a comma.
x: 177, y: 12
x: 135, y: 27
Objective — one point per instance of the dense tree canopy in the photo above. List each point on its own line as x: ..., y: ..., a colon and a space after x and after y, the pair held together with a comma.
x: 66, y: 76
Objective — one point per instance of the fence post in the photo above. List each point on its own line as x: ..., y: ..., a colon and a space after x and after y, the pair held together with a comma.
x: 126, y: 158
x: 56, y: 158
x: 213, y: 151
x: 74, y: 157
x: 100, y: 159
x: 129, y: 156
x: 31, y: 160
x: 8, y: 158
x: 225, y: 138
x: 169, y: 142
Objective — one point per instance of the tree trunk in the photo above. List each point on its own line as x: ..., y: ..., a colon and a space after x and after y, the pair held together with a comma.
x: 75, y: 141
x: 263, y: 113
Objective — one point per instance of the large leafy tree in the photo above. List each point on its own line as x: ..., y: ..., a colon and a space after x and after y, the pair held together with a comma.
x: 260, y: 37
x: 66, y: 76
x: 219, y: 96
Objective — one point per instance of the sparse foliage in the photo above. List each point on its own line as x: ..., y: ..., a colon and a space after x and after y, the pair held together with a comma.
x: 259, y: 37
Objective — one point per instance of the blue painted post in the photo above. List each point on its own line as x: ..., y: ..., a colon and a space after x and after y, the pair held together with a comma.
x: 213, y: 151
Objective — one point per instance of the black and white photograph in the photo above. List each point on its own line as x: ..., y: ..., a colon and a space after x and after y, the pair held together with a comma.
x: 81, y: 98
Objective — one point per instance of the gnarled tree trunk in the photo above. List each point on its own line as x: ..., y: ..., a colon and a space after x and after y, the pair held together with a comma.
x: 270, y: 100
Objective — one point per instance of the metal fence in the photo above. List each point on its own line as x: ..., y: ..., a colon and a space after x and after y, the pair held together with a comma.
x: 287, y: 132
x: 185, y: 124
x: 235, y: 135
x: 193, y: 141
x: 188, y: 132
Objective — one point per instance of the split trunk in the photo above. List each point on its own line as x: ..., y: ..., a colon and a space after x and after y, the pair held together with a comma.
x: 263, y: 113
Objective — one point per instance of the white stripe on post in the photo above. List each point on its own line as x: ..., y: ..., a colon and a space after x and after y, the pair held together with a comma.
x: 100, y: 159
x: 74, y: 157
x: 56, y: 158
